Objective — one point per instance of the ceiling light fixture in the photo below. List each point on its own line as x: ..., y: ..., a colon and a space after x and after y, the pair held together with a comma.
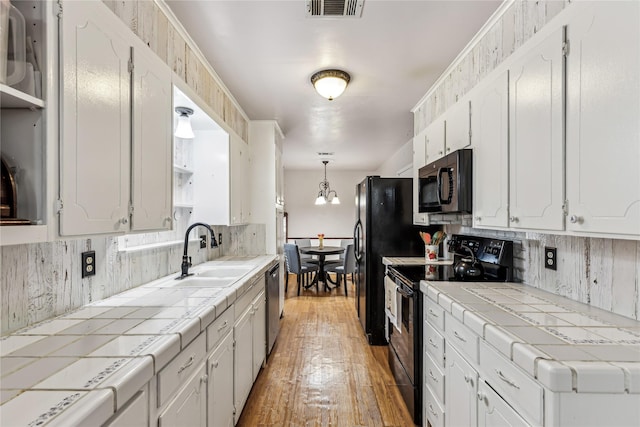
x: 183, y: 129
x: 326, y: 194
x: 330, y: 83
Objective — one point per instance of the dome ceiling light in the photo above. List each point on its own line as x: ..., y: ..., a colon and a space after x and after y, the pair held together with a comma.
x: 183, y: 129
x: 330, y: 83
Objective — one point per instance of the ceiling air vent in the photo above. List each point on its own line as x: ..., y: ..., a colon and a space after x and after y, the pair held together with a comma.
x: 334, y: 8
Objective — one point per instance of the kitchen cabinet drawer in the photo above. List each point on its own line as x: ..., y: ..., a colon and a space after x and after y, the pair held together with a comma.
x: 434, y: 344
x: 434, y: 314
x: 433, y: 411
x: 516, y: 388
x: 219, y: 328
x: 176, y: 373
x: 462, y: 338
x: 249, y: 295
x: 493, y: 411
x: 434, y: 377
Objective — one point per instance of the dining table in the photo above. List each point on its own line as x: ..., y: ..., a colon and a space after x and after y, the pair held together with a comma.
x: 321, y: 253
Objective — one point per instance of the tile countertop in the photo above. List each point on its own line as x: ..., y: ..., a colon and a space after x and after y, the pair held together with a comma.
x: 566, y: 345
x: 96, y: 358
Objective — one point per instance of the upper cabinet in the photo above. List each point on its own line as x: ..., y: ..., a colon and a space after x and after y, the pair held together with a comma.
x: 435, y: 140
x: 537, y: 136
x: 603, y: 125
x: 490, y: 144
x: 419, y: 160
x: 28, y: 130
x: 240, y: 197
x: 99, y: 118
x: 457, y: 129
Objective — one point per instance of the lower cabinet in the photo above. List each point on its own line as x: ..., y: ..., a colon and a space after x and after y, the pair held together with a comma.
x: 460, y: 388
x: 493, y: 411
x: 134, y: 413
x: 188, y: 408
x: 249, y: 333
x: 220, y: 382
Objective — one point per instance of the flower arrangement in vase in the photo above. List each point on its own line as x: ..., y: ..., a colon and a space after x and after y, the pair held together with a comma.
x: 321, y: 241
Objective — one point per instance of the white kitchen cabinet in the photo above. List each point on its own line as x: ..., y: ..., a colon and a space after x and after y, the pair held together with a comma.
x: 259, y: 333
x: 219, y: 385
x: 603, y: 130
x: 419, y: 160
x: 239, y: 190
x: 188, y: 408
x: 490, y: 144
x: 28, y: 133
x: 435, y: 140
x: 460, y: 390
x: 457, y: 127
x: 536, y: 136
x: 152, y: 143
x: 494, y: 411
x: 242, y: 360
x: 134, y: 413
x: 99, y: 56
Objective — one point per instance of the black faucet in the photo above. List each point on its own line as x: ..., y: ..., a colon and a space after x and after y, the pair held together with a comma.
x: 186, y: 259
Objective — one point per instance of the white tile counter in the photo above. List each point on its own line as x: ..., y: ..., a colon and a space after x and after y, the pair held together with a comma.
x: 569, y: 348
x: 80, y: 368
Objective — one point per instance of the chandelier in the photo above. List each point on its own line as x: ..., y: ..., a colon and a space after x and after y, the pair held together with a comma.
x: 326, y: 194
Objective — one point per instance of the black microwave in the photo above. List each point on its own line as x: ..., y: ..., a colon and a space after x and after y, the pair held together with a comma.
x: 445, y: 185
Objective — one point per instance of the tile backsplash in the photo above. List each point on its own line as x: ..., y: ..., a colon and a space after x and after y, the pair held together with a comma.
x: 43, y: 280
x: 604, y: 273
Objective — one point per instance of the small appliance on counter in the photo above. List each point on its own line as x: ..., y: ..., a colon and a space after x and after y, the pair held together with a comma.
x: 474, y: 259
x: 9, y: 198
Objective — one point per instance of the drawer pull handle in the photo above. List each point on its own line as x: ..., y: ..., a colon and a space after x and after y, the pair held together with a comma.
x: 507, y: 380
x: 432, y: 343
x: 433, y: 313
x: 432, y: 411
x: 432, y: 376
x: 457, y: 335
x: 186, y: 365
x: 224, y: 325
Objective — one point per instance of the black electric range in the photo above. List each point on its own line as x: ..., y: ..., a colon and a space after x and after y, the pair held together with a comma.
x: 405, y: 345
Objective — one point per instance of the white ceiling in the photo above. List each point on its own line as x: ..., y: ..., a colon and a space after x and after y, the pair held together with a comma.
x: 266, y: 51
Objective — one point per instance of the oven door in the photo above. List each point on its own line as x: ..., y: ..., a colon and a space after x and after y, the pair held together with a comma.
x: 402, y: 341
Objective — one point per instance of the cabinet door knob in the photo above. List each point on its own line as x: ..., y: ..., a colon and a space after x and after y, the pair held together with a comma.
x: 575, y: 219
x: 124, y: 220
x: 481, y: 396
x: 513, y: 219
x: 440, y: 152
x: 478, y: 218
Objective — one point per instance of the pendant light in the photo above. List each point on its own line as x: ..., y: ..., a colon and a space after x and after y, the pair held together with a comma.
x: 326, y: 194
x: 330, y: 83
x: 183, y: 129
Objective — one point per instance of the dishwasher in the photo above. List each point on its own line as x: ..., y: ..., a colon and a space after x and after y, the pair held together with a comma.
x: 273, y: 305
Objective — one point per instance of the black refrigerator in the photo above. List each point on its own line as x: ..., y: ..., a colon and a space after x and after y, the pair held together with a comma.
x: 384, y: 227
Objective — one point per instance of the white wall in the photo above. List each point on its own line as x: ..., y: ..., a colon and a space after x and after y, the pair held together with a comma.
x: 305, y: 219
x: 400, y: 164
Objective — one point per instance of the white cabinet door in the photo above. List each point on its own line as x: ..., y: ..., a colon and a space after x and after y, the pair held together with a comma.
x: 490, y: 143
x: 189, y: 408
x: 603, y: 126
x: 536, y: 137
x: 95, y: 147
x: 152, y: 149
x: 457, y: 126
x: 239, y: 197
x: 220, y: 384
x: 460, y: 391
x: 259, y: 333
x: 435, y: 139
x: 242, y: 360
x: 495, y: 412
x: 419, y: 160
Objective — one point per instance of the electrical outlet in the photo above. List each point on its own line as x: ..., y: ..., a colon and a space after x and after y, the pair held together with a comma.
x: 88, y: 263
x: 203, y: 241
x: 550, y: 258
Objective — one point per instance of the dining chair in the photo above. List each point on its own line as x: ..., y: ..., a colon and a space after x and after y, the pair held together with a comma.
x: 302, y: 243
x: 297, y: 267
x: 348, y: 266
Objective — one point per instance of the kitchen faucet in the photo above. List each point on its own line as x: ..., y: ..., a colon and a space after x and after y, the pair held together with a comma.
x: 186, y: 259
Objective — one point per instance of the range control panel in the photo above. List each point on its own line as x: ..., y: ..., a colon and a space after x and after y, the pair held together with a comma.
x: 492, y: 251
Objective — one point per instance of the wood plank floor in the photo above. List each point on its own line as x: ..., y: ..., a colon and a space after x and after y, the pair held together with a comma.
x: 322, y: 372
